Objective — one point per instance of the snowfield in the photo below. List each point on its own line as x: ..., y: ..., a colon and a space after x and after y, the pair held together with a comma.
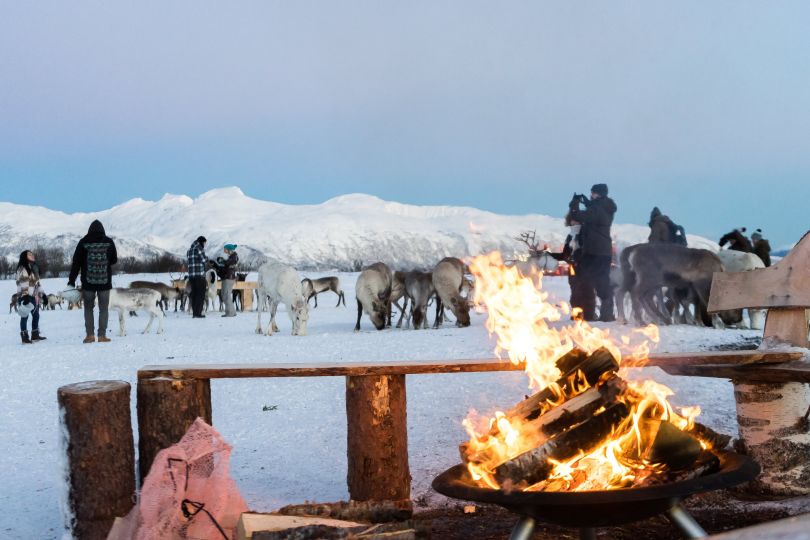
x: 288, y: 434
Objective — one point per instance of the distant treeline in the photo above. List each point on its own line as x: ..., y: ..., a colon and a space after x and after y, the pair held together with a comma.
x: 54, y: 262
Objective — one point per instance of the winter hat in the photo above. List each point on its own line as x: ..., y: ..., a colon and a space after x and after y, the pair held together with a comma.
x: 230, y: 247
x: 600, y: 189
x: 201, y: 240
x: 757, y: 235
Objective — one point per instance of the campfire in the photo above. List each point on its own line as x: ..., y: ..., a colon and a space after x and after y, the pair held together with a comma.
x: 586, y: 427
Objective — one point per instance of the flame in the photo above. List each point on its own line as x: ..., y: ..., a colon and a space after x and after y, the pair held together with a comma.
x: 534, y: 332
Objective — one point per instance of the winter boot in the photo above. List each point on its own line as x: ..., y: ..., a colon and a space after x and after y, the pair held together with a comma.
x: 24, y: 336
x: 89, y: 339
x: 103, y: 339
x: 35, y: 336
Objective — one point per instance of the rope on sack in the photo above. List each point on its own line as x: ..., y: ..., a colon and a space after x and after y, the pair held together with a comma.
x: 192, y: 508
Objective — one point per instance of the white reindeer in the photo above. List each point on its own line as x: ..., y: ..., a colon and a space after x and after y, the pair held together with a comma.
x: 126, y: 300
x: 281, y: 284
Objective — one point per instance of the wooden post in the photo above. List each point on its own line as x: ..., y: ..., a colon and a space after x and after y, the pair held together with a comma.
x: 97, y: 436
x: 773, y: 415
x: 166, y: 409
x: 377, y: 438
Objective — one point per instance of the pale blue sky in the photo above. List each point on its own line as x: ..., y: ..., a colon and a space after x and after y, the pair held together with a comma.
x: 702, y: 108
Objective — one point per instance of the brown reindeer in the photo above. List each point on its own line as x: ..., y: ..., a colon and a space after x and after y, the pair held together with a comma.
x: 448, y: 280
x: 317, y: 286
x: 677, y: 268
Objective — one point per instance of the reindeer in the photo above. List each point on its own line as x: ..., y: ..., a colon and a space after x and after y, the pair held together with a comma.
x: 656, y: 266
x: 373, y: 294
x: 54, y: 300
x: 317, y: 286
x: 167, y: 292
x: 282, y: 284
x: 419, y: 288
x: 13, y: 304
x: 236, y: 296
x: 127, y: 300
x: 183, y: 293
x: 448, y: 277
x: 211, y: 292
x: 397, y: 293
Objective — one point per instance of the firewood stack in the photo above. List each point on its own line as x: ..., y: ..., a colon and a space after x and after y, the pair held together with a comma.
x: 587, y: 406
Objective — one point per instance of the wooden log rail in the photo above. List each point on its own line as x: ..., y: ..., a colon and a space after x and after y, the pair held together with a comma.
x: 171, y: 397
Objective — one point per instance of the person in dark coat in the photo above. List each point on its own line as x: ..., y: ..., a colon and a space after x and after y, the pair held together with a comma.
x: 737, y: 241
x: 597, y: 250
x: 761, y: 247
x: 571, y: 254
x: 226, y: 268
x: 94, y: 257
x: 660, y: 227
x: 197, y: 262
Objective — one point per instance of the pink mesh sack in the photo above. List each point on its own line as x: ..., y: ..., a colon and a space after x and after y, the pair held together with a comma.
x: 188, y: 493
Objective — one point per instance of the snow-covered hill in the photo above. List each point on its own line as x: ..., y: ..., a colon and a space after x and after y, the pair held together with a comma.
x: 339, y: 233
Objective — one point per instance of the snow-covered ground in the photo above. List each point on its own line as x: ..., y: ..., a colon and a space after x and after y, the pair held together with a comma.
x: 297, y: 450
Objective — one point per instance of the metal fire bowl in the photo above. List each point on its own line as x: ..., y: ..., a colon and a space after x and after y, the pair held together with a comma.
x: 598, y: 508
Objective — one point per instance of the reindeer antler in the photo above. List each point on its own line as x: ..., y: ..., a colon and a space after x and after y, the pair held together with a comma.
x: 530, y: 239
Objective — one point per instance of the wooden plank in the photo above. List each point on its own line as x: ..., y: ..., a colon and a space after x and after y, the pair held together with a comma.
x: 790, y: 372
x: 788, y: 325
x: 785, y: 284
x: 328, y: 369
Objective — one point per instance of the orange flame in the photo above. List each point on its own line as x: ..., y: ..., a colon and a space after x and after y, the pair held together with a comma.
x: 534, y: 333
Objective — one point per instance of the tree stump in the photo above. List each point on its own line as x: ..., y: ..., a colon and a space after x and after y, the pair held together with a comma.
x: 166, y: 409
x: 377, y: 438
x: 97, y: 437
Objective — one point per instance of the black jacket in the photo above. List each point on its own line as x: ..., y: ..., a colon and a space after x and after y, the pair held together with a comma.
x: 737, y: 241
x: 94, y: 256
x: 596, y: 220
x: 226, y: 268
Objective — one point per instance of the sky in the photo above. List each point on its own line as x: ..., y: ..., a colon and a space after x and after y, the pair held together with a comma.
x: 701, y: 108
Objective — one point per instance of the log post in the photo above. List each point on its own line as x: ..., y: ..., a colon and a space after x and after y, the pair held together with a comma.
x: 377, y: 438
x: 773, y: 417
x: 100, y: 465
x: 166, y: 409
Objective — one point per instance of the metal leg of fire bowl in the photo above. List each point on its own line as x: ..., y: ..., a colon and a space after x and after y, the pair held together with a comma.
x: 523, y: 530
x: 685, y: 522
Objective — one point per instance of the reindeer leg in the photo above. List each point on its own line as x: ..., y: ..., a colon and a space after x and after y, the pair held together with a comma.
x: 122, y: 324
x: 149, y: 324
x: 359, y: 314
x: 259, y: 309
x: 273, y: 311
x: 341, y: 298
x: 439, y: 312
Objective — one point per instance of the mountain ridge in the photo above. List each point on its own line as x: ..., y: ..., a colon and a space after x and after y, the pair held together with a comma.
x: 342, y: 232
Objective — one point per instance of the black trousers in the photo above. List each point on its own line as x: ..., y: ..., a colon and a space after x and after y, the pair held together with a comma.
x: 197, y: 294
x: 595, y: 274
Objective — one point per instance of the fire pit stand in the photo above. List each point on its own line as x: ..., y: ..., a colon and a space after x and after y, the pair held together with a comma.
x: 589, y: 510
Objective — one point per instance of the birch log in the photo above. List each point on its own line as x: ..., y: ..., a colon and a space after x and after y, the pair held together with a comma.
x: 773, y: 417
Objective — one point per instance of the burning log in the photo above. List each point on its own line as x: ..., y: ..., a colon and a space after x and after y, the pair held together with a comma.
x: 572, y: 364
x: 715, y: 440
x: 535, y: 465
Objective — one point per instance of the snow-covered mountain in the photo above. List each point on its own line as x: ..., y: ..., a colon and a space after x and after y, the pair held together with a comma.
x: 340, y: 233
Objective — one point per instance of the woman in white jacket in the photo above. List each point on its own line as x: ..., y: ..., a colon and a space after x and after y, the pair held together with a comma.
x: 29, y: 290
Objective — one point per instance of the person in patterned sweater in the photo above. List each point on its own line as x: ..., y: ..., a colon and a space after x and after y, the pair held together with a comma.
x: 94, y: 256
x: 197, y: 261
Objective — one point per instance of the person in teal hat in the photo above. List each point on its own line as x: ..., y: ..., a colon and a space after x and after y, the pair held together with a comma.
x: 226, y: 268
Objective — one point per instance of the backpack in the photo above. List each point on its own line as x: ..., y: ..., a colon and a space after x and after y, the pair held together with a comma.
x: 677, y: 234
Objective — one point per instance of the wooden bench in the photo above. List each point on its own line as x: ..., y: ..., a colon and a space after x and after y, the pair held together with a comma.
x: 171, y: 397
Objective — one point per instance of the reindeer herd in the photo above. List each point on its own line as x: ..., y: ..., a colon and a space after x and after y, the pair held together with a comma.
x: 656, y: 283
x: 668, y: 283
